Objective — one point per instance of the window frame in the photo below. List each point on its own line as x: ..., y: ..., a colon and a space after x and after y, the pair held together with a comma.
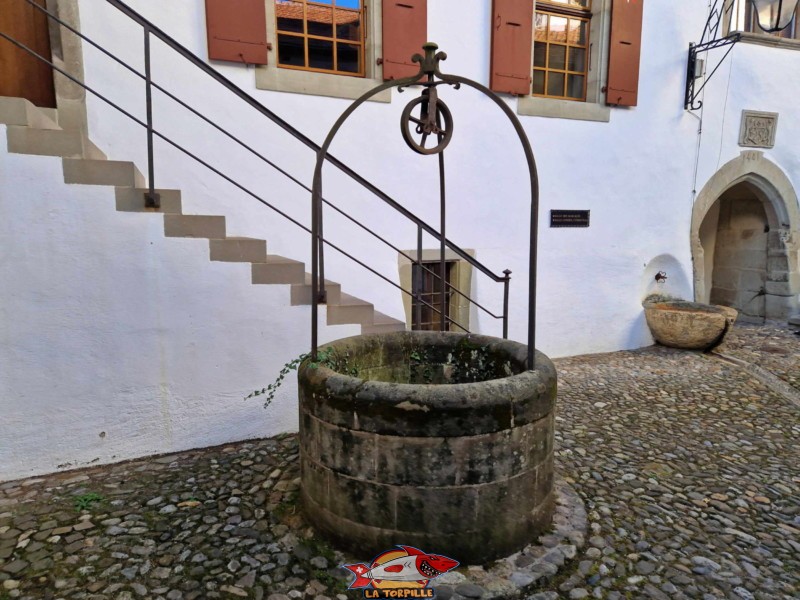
x: 307, y: 36
x: 460, y: 274
x: 560, y: 10
x: 335, y: 85
x: 593, y: 108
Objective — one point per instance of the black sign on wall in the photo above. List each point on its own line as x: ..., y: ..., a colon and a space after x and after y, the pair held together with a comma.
x: 569, y: 218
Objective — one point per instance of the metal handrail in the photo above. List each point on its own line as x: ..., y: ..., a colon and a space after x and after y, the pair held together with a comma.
x: 151, y: 197
x: 224, y: 81
x: 247, y: 147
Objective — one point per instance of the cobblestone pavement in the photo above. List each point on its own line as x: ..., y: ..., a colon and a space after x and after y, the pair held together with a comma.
x: 689, y: 467
x: 771, y: 347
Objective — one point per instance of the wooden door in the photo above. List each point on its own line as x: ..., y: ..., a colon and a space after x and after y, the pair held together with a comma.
x: 22, y: 75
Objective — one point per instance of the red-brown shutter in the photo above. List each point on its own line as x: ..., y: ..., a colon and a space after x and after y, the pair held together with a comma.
x: 624, y: 51
x: 237, y: 31
x: 405, y: 30
x: 512, y: 46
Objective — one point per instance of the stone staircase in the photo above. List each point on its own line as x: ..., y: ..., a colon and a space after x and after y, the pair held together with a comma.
x: 32, y: 130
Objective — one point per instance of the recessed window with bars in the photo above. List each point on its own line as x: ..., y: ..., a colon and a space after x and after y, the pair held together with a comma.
x: 427, y: 298
x: 561, y: 48
x: 325, y: 36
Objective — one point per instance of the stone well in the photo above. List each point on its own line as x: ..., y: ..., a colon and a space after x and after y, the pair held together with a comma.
x: 442, y: 441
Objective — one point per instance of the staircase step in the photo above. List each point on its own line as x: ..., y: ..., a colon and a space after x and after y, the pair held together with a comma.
x: 194, y: 226
x: 120, y: 173
x: 382, y: 323
x: 51, y: 142
x: 239, y: 249
x: 279, y: 269
x: 350, y: 310
x: 301, y: 293
x: 18, y: 111
x: 132, y: 200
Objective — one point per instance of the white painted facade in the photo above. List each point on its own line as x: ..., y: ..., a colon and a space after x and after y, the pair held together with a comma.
x: 117, y: 342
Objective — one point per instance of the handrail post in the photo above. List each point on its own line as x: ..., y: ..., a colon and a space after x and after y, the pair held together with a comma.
x: 442, y: 242
x: 322, y: 295
x: 151, y: 199
x: 419, y: 278
x: 506, y: 281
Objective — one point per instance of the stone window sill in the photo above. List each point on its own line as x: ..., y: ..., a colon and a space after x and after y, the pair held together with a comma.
x: 762, y: 39
x: 563, y: 109
x: 317, y: 84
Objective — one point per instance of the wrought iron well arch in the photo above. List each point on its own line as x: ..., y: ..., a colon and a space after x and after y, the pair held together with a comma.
x: 438, y: 122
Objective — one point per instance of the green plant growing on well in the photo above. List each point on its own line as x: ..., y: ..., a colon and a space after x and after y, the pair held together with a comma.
x: 326, y: 357
x: 87, y: 501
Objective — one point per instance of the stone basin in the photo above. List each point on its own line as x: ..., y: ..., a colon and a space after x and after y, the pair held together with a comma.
x: 688, y: 325
x: 442, y: 441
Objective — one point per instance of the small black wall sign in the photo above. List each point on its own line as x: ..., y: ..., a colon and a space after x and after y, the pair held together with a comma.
x: 569, y: 218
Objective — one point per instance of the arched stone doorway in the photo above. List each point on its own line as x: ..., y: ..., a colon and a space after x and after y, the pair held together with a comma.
x: 745, y: 240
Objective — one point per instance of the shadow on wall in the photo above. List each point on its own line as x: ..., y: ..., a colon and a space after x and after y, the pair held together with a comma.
x: 676, y: 284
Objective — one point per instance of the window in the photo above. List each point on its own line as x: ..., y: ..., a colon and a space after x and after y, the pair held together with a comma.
x: 324, y: 36
x: 340, y: 48
x: 427, y: 287
x: 459, y: 276
x: 744, y: 18
x: 561, y: 49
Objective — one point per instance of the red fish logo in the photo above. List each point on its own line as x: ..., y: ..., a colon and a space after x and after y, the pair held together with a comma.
x: 406, y: 568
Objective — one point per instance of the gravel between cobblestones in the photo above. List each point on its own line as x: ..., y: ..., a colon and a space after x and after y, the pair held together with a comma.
x: 689, y: 468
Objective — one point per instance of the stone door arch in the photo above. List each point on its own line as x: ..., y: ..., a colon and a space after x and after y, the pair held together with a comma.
x: 772, y: 187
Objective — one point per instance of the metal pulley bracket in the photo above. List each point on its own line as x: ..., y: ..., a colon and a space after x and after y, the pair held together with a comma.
x: 434, y: 120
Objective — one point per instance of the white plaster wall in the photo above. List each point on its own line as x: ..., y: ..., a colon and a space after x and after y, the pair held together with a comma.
x: 116, y: 342
x: 637, y: 174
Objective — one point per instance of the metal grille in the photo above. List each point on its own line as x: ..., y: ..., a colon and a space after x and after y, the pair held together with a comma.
x: 427, y: 298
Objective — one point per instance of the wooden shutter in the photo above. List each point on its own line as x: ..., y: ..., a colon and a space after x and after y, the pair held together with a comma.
x: 237, y: 31
x: 512, y: 46
x: 624, y: 52
x: 405, y: 30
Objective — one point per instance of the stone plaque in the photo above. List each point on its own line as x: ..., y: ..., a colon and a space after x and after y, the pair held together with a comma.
x: 758, y: 129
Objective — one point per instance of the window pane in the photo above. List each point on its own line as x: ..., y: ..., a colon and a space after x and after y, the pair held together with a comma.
x: 349, y: 57
x: 577, y: 59
x: 558, y: 29
x: 577, y: 32
x: 320, y: 20
x: 572, y: 3
x: 575, y: 85
x: 558, y: 57
x: 291, y: 51
x: 348, y: 3
x: 539, y: 55
x: 538, y: 82
x: 555, y: 84
x: 290, y: 15
x: 348, y: 24
x: 320, y: 54
x: 540, y: 28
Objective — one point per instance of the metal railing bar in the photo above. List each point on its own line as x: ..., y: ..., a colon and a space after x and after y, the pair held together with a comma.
x: 208, y: 166
x: 224, y: 81
x: 386, y: 279
x: 412, y: 259
x: 155, y: 132
x: 246, y: 146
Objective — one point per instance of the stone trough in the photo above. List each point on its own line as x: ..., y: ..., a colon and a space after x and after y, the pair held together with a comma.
x: 442, y: 441
x: 688, y: 325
